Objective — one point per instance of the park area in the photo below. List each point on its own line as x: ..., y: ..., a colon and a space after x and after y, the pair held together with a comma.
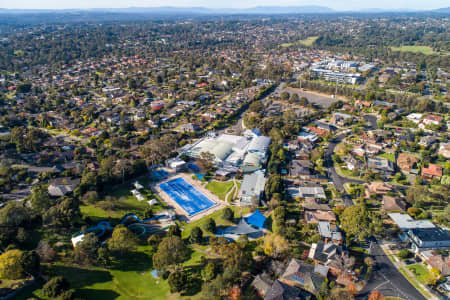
x: 425, y: 50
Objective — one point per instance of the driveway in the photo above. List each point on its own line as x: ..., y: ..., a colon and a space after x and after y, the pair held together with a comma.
x: 387, y: 279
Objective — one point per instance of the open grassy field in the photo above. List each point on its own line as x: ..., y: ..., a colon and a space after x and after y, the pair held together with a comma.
x: 220, y: 188
x: 418, y: 49
x: 309, y: 41
x: 118, y: 203
x: 131, y: 279
x: 306, y: 42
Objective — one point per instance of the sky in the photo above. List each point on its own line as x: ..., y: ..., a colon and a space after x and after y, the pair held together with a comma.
x: 335, y: 4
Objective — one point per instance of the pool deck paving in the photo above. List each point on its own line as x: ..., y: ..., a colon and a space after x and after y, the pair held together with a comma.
x: 198, y: 185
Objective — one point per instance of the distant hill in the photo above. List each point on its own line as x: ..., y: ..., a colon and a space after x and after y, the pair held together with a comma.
x: 445, y: 10
x: 170, y: 10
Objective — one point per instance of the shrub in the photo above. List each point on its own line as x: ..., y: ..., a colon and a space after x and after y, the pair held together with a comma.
x: 55, y: 287
x: 404, y: 253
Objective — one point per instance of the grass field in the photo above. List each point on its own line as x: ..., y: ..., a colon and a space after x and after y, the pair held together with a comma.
x: 219, y: 188
x: 420, y: 273
x: 129, y: 280
x: 308, y: 42
x: 118, y: 203
x: 418, y: 49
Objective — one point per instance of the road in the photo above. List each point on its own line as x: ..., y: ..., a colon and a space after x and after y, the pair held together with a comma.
x: 387, y: 279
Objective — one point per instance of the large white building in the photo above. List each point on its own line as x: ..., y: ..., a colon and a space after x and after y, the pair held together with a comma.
x: 248, y: 153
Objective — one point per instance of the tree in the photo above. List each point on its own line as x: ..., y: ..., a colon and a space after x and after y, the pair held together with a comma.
x: 14, y: 214
x: 122, y: 241
x: 55, y: 287
x: 284, y: 95
x: 39, y: 198
x: 228, y: 214
x: 275, y: 245
x: 171, y: 251
x: 404, y: 253
x: 376, y: 295
x: 417, y: 195
x: 17, y: 264
x: 86, y: 250
x: 210, y: 225
x: 174, y: 230
x: 196, y: 235
x: 355, y: 221
x: 177, y: 281
x: 45, y: 251
x: 209, y: 271
x: 90, y: 197
x: 206, y: 161
x: 294, y: 98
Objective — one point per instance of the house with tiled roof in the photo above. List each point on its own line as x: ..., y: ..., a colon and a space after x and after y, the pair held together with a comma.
x: 302, y: 275
x: 432, y: 171
x: 432, y: 119
x: 406, y: 162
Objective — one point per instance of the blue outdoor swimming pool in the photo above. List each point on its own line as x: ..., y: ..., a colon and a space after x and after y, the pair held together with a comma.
x: 187, y: 196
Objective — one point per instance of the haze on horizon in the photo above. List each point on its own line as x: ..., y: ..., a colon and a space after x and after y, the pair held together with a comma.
x: 339, y: 5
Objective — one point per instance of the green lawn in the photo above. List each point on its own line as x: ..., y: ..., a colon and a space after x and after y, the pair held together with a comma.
x: 418, y: 49
x: 217, y: 217
x: 306, y: 42
x: 420, y: 273
x: 118, y: 203
x: 220, y: 188
x: 388, y: 156
x: 309, y: 41
x: 129, y: 280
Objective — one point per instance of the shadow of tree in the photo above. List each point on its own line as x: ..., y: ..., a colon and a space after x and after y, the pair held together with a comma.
x: 96, y: 294
x: 79, y: 277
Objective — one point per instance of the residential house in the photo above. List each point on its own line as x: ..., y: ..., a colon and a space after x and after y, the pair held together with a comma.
x: 283, y: 291
x: 189, y: 127
x: 406, y: 162
x: 440, y: 263
x: 393, y: 203
x: 432, y: 119
x: 330, y: 232
x: 427, y: 141
x: 432, y: 171
x: 444, y: 150
x: 300, y: 168
x: 315, y: 216
x: 380, y: 165
x: 329, y: 255
x: 302, y: 275
x: 262, y: 284
x: 377, y: 188
x: 312, y: 192
x: 354, y: 164
x: 62, y: 186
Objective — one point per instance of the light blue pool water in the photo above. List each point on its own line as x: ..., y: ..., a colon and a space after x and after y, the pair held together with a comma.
x: 187, y: 196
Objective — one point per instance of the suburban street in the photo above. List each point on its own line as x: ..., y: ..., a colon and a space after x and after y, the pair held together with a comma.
x: 387, y: 279
x: 338, y: 180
